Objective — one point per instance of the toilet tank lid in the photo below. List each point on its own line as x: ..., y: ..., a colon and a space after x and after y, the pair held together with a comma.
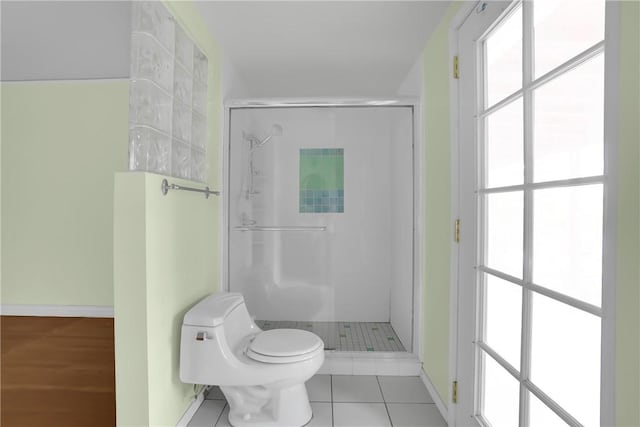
x: 212, y: 310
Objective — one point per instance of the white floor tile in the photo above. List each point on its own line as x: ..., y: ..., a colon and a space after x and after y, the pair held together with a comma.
x: 401, y: 367
x: 415, y: 415
x: 215, y: 394
x: 357, y: 401
x: 223, y: 421
x: 360, y: 388
x: 207, y: 414
x: 360, y: 414
x: 319, y: 388
x: 404, y: 390
x: 322, y: 415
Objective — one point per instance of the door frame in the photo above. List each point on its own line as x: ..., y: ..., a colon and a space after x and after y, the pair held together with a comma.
x: 611, y: 128
x: 454, y: 93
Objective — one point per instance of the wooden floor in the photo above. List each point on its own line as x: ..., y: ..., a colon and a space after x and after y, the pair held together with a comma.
x: 57, y: 371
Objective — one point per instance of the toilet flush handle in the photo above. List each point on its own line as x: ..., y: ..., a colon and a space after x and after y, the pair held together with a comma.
x: 202, y: 336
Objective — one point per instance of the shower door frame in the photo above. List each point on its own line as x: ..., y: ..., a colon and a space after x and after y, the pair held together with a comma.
x: 416, y: 150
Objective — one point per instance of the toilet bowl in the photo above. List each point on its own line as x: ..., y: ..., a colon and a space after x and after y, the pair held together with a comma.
x: 261, y: 373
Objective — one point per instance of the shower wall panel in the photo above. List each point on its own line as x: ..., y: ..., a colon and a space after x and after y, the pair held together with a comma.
x: 401, y: 199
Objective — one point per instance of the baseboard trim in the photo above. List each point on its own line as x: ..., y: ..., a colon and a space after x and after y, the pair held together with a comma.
x: 434, y: 394
x: 191, y: 410
x: 56, y: 310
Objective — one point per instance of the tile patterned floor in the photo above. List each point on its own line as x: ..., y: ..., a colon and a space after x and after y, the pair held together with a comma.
x: 345, y: 401
x: 345, y: 336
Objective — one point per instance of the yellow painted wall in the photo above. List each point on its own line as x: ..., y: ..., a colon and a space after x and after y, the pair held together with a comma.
x: 628, y: 253
x: 167, y: 257
x: 61, y: 143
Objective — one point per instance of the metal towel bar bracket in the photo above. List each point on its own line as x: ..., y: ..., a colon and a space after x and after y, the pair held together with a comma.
x: 166, y: 187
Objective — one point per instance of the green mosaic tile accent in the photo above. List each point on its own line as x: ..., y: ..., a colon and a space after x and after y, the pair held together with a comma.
x: 321, y: 180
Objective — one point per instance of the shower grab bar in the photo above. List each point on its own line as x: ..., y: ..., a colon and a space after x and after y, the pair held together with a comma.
x: 279, y: 228
x: 166, y: 187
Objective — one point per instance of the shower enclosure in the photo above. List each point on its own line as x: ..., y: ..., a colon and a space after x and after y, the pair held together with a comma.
x: 320, y: 221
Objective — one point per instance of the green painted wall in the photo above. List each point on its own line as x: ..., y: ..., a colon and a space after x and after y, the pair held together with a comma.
x: 164, y: 247
x: 437, y: 206
x: 438, y: 221
x: 166, y: 258
x: 62, y: 142
x: 628, y: 256
x: 1, y: 192
x: 130, y: 299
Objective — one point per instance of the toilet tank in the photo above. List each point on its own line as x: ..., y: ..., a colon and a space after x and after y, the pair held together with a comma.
x: 211, y: 331
x: 212, y: 310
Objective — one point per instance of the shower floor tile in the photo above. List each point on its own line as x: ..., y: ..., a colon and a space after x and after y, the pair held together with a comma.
x: 345, y: 336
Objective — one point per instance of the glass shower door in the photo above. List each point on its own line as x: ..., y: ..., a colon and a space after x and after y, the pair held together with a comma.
x: 321, y: 222
x: 279, y: 260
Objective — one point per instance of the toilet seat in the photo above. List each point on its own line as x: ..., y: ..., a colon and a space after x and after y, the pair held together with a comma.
x: 284, y: 346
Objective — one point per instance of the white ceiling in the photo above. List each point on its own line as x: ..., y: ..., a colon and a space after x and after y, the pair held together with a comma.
x: 56, y: 40
x: 322, y: 48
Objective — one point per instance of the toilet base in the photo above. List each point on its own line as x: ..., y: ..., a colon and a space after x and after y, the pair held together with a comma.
x: 268, y: 407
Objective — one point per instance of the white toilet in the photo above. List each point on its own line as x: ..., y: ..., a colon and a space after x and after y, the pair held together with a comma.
x: 261, y: 373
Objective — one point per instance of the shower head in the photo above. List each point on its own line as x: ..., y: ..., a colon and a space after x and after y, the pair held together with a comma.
x: 276, y: 130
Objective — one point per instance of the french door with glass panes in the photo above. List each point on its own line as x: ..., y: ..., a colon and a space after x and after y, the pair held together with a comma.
x: 533, y: 187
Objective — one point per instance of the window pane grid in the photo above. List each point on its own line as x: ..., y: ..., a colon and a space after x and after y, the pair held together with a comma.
x: 533, y: 84
x: 486, y: 348
x: 568, y: 134
x: 527, y: 76
x: 529, y: 86
x: 528, y: 187
x: 501, y: 54
x: 572, y: 182
x: 559, y: 35
x: 502, y: 227
x: 541, y: 290
x: 500, y: 387
x: 527, y: 385
x: 500, y: 317
x: 550, y: 403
